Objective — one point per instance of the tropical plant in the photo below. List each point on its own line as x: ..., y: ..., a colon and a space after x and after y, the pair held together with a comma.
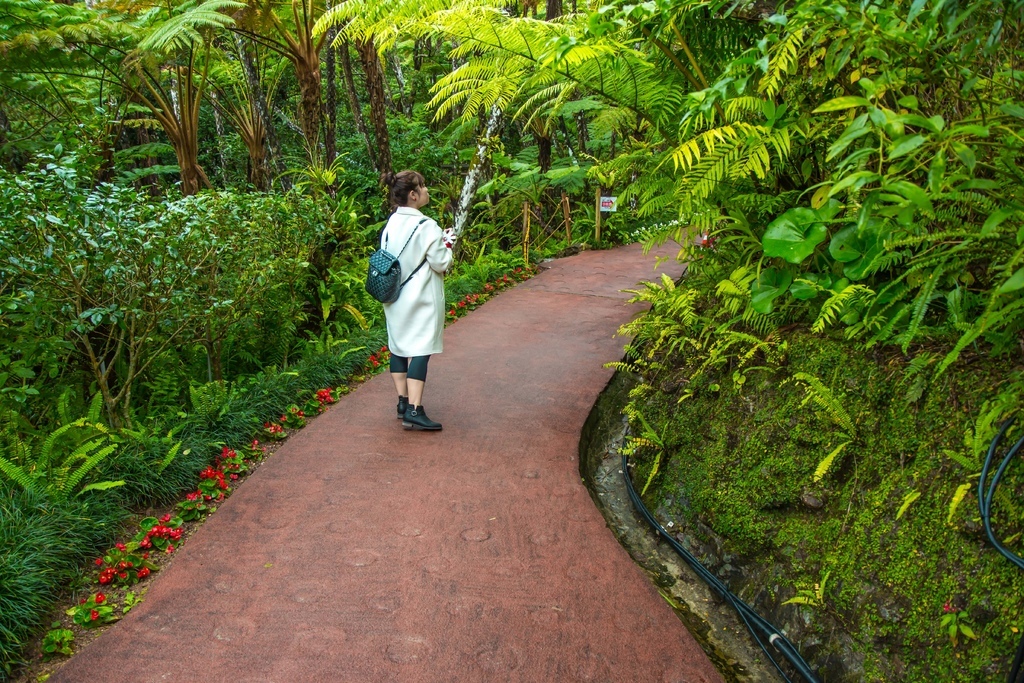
x: 158, y: 56
x: 57, y: 465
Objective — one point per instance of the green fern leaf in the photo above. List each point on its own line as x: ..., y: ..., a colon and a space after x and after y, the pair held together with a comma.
x: 823, y: 467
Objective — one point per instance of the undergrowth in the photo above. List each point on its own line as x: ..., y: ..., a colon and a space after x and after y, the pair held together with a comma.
x: 897, y: 532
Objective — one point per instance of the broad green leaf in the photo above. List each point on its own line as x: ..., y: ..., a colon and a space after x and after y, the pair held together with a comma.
x: 856, y: 180
x: 915, y: 9
x: 802, y: 290
x: 771, y: 284
x: 858, y: 248
x: 1015, y: 282
x: 994, y: 221
x: 840, y: 103
x: 795, y: 234
x: 905, y: 145
x: 845, y: 245
x: 1012, y: 109
x: 912, y: 192
x: 966, y: 155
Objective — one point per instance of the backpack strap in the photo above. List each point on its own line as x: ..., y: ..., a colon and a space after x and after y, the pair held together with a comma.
x: 422, y: 263
x: 411, y: 234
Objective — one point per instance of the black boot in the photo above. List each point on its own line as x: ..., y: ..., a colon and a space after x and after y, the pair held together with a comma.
x: 416, y: 418
x: 403, y: 405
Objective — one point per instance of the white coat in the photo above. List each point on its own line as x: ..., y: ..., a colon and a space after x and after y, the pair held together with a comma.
x: 416, y: 320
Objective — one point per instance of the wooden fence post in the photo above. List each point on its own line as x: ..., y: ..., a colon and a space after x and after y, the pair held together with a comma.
x: 568, y: 219
x: 526, y: 233
x: 597, y: 215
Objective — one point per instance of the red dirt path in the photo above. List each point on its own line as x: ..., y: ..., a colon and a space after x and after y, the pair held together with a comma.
x: 361, y: 552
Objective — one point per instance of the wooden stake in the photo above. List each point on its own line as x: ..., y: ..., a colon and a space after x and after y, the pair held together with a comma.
x: 597, y: 215
x: 526, y: 233
x: 568, y: 219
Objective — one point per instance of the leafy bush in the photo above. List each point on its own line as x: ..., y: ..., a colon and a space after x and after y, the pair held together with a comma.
x: 123, y: 288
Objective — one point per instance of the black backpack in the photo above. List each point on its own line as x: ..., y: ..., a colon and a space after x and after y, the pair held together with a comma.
x: 384, y: 279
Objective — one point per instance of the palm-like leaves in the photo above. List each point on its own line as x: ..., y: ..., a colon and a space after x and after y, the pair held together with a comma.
x: 189, y: 25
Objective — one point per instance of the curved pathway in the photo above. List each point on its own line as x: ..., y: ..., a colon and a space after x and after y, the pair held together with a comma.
x: 361, y: 552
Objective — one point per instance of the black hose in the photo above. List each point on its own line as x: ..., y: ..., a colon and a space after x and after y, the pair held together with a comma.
x: 1016, y: 674
x: 763, y: 631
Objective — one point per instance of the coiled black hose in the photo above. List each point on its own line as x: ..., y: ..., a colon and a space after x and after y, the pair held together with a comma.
x: 1016, y: 674
x: 763, y: 631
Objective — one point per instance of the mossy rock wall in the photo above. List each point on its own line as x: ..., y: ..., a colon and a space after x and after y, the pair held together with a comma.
x: 737, y: 475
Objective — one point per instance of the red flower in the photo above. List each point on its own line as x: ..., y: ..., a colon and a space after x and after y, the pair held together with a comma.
x: 120, y: 546
x: 100, y: 598
x: 145, y: 556
x: 234, y: 476
x: 947, y: 608
x: 122, y: 575
x: 82, y: 601
x: 166, y: 518
x: 94, y: 615
x: 193, y: 496
x: 170, y: 549
x: 143, y: 573
x: 99, y: 561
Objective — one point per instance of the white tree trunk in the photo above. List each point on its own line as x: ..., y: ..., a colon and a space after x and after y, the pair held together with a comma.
x: 476, y: 172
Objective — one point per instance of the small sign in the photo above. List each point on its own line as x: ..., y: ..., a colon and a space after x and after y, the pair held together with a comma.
x: 610, y: 204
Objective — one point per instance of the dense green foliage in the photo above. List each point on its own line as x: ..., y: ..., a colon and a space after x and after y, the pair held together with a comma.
x: 894, y: 536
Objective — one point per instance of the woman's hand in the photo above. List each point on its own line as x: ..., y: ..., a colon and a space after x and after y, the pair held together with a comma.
x: 449, y: 237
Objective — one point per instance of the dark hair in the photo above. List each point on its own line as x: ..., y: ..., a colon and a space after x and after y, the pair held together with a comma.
x: 401, y: 184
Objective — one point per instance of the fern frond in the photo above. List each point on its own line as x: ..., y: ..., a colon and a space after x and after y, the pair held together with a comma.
x: 823, y: 397
x: 823, y: 467
x: 69, y: 484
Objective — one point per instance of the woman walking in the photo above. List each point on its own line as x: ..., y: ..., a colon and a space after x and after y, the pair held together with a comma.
x: 416, y: 319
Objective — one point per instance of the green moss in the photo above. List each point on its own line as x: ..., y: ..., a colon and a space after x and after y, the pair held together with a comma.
x: 740, y: 462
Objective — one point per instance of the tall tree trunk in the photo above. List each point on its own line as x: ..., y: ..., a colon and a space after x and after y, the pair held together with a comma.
x: 218, y: 125
x: 396, y: 63
x: 554, y: 9
x: 307, y: 72
x: 477, y: 169
x: 389, y: 97
x: 353, y: 103
x: 378, y: 106
x: 582, y: 131
x: 149, y: 181
x: 259, y: 100
x: 331, y: 123
x: 5, y: 126
x: 184, y: 137
x: 544, y: 152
